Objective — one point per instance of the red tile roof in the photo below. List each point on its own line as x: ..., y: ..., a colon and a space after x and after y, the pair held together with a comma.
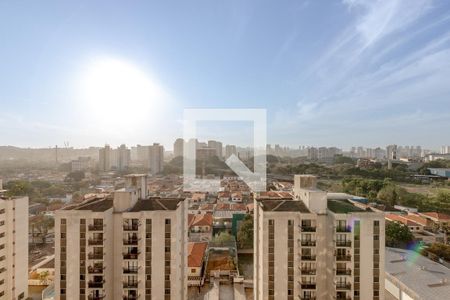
x: 401, y: 219
x: 437, y: 216
x: 200, y: 220
x: 196, y: 252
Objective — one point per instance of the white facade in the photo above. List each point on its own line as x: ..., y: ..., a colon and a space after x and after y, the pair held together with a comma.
x: 13, y: 248
x: 129, y: 247
x: 306, y: 248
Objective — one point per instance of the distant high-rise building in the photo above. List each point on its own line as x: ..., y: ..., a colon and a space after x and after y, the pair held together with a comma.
x: 178, y: 147
x: 230, y: 150
x: 104, y: 161
x: 314, y: 246
x: 123, y: 157
x: 313, y: 153
x: 391, y: 152
x: 130, y: 246
x: 445, y: 149
x: 13, y: 247
x: 217, y: 146
x: 156, y: 158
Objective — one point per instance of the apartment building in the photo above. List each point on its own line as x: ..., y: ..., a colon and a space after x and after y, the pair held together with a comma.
x: 127, y: 246
x: 312, y: 247
x: 13, y: 247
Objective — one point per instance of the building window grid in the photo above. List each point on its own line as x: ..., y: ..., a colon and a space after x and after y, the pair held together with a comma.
x: 376, y: 258
x: 148, y: 259
x: 357, y: 258
x: 167, y: 252
x: 63, y: 257
x: 290, y: 269
x: 271, y: 262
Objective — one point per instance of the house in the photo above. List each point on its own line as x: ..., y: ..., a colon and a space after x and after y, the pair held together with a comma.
x: 440, y: 219
x: 196, y: 260
x: 412, y: 225
x: 200, y: 227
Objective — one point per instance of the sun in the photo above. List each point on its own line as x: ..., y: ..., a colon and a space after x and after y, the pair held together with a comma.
x: 118, y: 94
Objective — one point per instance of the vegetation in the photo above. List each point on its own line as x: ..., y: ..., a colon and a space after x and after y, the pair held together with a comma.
x: 245, y: 233
x: 223, y: 238
x: 40, y: 226
x: 440, y: 250
x: 398, y: 235
x: 37, y: 191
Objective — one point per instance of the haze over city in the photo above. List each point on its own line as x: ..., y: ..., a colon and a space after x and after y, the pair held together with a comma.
x: 99, y: 72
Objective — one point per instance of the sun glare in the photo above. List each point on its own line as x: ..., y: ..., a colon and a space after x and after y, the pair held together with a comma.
x: 118, y: 93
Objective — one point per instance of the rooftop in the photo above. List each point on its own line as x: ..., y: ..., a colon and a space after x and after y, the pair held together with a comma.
x: 196, y: 252
x: 428, y: 279
x: 342, y: 207
x: 95, y: 205
x: 156, y: 203
x: 284, y: 205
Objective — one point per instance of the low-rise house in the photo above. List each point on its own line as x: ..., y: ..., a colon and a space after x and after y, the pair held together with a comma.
x: 412, y: 225
x: 200, y: 227
x: 196, y: 259
x: 440, y: 219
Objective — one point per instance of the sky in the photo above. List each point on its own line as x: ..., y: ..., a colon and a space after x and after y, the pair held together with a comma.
x: 329, y: 72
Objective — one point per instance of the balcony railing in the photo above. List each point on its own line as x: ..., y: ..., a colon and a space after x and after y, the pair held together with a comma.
x: 133, y: 227
x: 343, y: 229
x: 342, y: 297
x: 95, y: 255
x: 131, y: 255
x: 343, y: 243
x: 344, y: 272
x: 308, y: 243
x: 130, y: 241
x: 96, y: 227
x: 94, y: 242
x: 343, y: 286
x: 343, y: 257
x: 305, y: 228
x: 96, y: 297
x: 96, y: 284
x: 130, y: 270
x: 308, y: 257
x: 307, y: 297
x: 129, y: 297
x: 308, y: 285
x: 130, y: 285
x: 308, y: 271
x: 95, y: 270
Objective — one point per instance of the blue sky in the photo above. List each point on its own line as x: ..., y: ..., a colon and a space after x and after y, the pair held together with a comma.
x: 352, y: 72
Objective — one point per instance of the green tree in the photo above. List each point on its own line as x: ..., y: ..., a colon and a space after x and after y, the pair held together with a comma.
x: 397, y: 235
x: 223, y: 238
x: 40, y: 226
x: 245, y: 233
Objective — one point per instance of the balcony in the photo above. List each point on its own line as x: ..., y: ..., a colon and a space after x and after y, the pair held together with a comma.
x: 307, y: 297
x: 130, y: 241
x: 343, y: 229
x: 95, y: 270
x: 96, y: 227
x: 342, y: 297
x: 133, y: 227
x: 129, y: 297
x: 343, y: 286
x: 95, y: 255
x: 344, y: 243
x: 96, y: 284
x: 308, y: 271
x: 308, y: 285
x: 344, y: 272
x: 304, y: 228
x: 308, y: 257
x: 131, y: 255
x: 130, y: 270
x: 95, y: 242
x: 343, y: 257
x: 96, y: 297
x: 308, y: 243
x: 130, y: 285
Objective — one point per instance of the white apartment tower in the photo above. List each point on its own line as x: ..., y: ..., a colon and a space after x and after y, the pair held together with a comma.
x: 156, y: 158
x: 13, y: 247
x: 129, y: 246
x: 313, y: 247
x: 178, y: 147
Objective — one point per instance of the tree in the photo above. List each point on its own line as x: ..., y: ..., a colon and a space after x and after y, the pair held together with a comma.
x: 76, y: 176
x: 223, y: 238
x: 40, y: 225
x: 245, y: 233
x: 398, y: 235
x: 440, y: 250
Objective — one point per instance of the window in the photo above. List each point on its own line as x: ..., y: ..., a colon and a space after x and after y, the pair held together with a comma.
x: 193, y: 270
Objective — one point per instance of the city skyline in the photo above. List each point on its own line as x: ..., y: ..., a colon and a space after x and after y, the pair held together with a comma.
x: 87, y: 72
